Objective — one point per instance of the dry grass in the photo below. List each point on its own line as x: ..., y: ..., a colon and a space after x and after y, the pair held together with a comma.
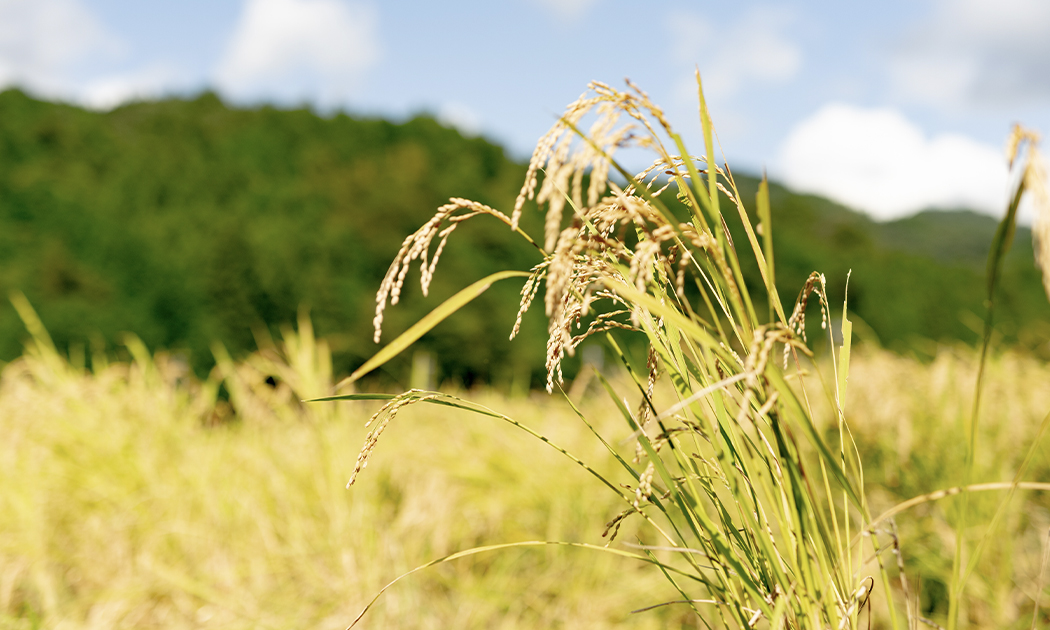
x: 910, y: 420
x: 125, y: 505
x: 122, y: 507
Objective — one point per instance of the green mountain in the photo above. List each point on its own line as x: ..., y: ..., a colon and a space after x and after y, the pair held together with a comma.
x: 912, y: 280
x: 957, y: 236
x: 188, y: 221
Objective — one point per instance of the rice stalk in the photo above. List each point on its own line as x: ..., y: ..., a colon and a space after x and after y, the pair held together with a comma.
x: 1031, y: 184
x: 754, y: 511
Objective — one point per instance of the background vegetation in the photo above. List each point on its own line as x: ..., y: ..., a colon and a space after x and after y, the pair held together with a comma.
x: 133, y: 498
x: 187, y: 221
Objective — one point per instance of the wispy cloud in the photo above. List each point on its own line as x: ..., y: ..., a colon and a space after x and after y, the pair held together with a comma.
x: 754, y: 49
x: 152, y: 81
x: 300, y: 48
x: 878, y: 161
x: 44, y: 42
x: 460, y: 116
x: 566, y: 11
x: 976, y: 53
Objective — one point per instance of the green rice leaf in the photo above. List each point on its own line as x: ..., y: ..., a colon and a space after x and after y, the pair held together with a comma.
x: 529, y: 543
x: 765, y: 218
x: 432, y: 319
x: 847, y: 339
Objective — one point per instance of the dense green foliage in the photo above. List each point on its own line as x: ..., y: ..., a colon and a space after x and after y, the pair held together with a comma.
x: 187, y: 221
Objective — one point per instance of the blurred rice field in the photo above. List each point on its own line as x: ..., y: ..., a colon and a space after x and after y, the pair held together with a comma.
x: 134, y: 495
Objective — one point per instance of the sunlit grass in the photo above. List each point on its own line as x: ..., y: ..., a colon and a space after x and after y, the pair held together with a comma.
x: 910, y: 419
x: 127, y: 502
x: 123, y: 505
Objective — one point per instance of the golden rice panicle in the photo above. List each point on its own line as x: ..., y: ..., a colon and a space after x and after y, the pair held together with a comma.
x: 765, y: 339
x: 647, y: 103
x: 585, y: 259
x: 417, y: 247
x: 645, y: 415
x: 816, y: 283
x: 575, y: 271
x: 1035, y: 183
x: 567, y: 273
x: 550, y: 154
x: 645, y: 486
x: 564, y: 166
x: 648, y: 254
x: 1018, y: 137
x: 384, y: 416
x: 587, y: 254
x: 528, y: 294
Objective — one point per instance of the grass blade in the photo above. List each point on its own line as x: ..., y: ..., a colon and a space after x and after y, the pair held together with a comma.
x: 529, y: 543
x: 1000, y: 246
x: 432, y: 319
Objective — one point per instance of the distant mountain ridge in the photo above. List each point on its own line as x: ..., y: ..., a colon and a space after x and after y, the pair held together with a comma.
x: 950, y: 236
x: 914, y: 279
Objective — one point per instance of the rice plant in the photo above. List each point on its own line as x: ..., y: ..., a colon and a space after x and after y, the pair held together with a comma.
x: 1030, y: 175
x: 760, y: 518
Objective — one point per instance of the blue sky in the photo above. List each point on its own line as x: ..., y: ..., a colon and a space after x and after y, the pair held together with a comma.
x: 889, y: 107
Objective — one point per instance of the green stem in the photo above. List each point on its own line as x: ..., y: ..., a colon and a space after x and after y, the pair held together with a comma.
x: 1000, y: 246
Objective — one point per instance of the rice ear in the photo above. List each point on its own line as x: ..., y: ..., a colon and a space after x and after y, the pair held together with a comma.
x: 1035, y: 183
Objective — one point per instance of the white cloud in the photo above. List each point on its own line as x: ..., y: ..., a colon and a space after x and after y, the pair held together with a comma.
x: 461, y: 117
x: 878, y: 161
x: 566, y: 11
x: 976, y: 52
x: 153, y: 81
x: 299, y: 48
x: 54, y: 48
x: 43, y: 42
x: 755, y: 49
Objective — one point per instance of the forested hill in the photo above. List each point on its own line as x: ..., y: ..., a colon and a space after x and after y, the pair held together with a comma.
x: 188, y: 221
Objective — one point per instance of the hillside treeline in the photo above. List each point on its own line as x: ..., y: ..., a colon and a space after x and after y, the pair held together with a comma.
x: 189, y: 221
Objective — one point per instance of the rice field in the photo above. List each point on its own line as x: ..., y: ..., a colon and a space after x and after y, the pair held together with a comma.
x: 133, y: 497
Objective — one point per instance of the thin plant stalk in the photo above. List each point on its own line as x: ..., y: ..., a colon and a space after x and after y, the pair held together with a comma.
x: 1030, y: 177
